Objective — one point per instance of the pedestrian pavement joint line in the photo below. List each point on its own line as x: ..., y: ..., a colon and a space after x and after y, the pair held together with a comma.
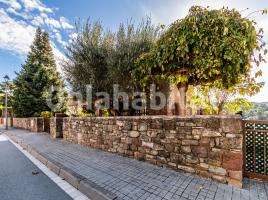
x: 64, y: 185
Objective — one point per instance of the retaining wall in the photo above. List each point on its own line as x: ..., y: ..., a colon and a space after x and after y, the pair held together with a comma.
x: 34, y: 124
x: 210, y: 146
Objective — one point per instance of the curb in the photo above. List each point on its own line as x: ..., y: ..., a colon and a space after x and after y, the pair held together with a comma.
x: 88, y: 188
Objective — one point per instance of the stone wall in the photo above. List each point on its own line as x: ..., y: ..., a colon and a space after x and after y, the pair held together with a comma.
x: 53, y: 125
x: 33, y: 124
x: 56, y: 126
x: 3, y: 121
x: 47, y: 125
x: 22, y: 123
x: 210, y: 146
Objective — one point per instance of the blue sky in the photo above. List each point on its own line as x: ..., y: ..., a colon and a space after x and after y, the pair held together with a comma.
x: 19, y: 19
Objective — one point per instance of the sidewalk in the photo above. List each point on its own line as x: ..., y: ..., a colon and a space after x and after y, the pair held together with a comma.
x: 122, y: 178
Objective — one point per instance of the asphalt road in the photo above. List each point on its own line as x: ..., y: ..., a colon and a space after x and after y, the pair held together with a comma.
x: 19, y: 180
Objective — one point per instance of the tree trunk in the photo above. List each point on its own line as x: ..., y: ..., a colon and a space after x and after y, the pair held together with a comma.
x: 181, y: 108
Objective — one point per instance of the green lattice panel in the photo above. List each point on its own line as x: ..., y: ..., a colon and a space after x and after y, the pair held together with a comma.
x: 249, y: 125
x: 259, y: 145
x: 250, y: 151
x: 261, y: 126
x: 266, y: 141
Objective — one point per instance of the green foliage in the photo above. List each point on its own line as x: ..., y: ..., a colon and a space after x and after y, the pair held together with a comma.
x: 74, y: 111
x: 237, y: 105
x: 103, y: 58
x: 130, y: 43
x: 87, y: 57
x: 106, y: 113
x: 204, y: 47
x: 46, y: 114
x: 219, y: 101
x: 87, y: 115
x: 10, y: 88
x: 36, y: 78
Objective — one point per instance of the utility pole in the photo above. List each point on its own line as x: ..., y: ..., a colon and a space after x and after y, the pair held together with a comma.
x: 6, y: 108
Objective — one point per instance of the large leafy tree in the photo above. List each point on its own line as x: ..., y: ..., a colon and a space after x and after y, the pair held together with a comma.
x: 205, y: 47
x: 32, y: 93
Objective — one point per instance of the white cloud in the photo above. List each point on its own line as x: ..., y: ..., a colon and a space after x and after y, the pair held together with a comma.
x: 15, y: 36
x: 72, y: 37
x: 12, y: 3
x: 38, y: 21
x: 65, y: 24
x: 59, y: 39
x: 31, y: 5
x: 20, y: 14
x: 53, y: 23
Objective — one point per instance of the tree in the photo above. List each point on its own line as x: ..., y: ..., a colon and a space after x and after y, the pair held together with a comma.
x: 102, y: 58
x: 2, y: 98
x: 34, y: 81
x: 205, y: 47
x: 130, y: 42
x: 3, y: 95
x: 87, y: 57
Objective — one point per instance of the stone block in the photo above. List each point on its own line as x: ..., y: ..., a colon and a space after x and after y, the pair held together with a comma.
x: 217, y: 170
x: 215, y: 155
x: 186, y: 168
x: 143, y: 127
x: 204, y: 165
x: 209, y: 133
x: 134, y: 134
x: 200, y: 151
x: 221, y: 179
x: 213, y: 124
x: 197, y: 130
x: 204, y: 141
x: 191, y: 160
x: 204, y: 174
x: 185, y: 130
x: 169, y: 124
x: 148, y: 144
x: 230, y: 143
x: 186, y: 149
x: 190, y: 142
x: 139, y: 156
x: 232, y: 160
x: 232, y: 125
x: 237, y: 175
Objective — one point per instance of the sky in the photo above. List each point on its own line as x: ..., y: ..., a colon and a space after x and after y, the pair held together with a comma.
x: 19, y: 19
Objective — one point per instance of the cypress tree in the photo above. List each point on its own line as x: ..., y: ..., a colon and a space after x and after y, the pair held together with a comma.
x: 32, y: 93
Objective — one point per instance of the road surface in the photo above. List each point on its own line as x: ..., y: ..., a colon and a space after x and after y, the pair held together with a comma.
x: 20, y: 179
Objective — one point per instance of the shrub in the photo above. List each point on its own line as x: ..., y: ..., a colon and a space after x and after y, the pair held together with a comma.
x: 46, y: 114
